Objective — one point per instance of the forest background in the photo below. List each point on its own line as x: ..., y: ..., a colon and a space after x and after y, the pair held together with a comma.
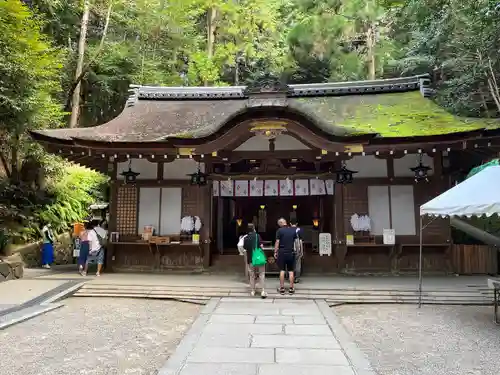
x: 69, y: 64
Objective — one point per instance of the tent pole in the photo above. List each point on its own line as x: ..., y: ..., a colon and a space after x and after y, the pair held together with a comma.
x: 420, y: 266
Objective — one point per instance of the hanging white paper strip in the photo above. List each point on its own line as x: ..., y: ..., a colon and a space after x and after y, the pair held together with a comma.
x: 241, y: 188
x: 329, y: 187
x: 317, y: 187
x: 271, y: 188
x: 301, y: 187
x: 215, y: 188
x: 286, y: 188
x: 226, y: 188
x: 256, y: 188
x: 321, y: 188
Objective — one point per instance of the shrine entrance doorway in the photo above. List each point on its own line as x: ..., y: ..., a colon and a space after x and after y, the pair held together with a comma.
x: 232, y: 215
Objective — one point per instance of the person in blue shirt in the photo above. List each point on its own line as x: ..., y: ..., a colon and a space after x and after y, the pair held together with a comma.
x: 285, y: 254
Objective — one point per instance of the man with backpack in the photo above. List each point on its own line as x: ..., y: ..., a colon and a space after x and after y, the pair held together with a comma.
x: 298, y: 249
x: 96, y: 237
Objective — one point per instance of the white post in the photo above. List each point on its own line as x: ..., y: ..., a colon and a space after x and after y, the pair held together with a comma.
x: 420, y: 266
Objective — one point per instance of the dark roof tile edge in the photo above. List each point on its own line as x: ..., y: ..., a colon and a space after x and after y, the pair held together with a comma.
x: 315, y: 89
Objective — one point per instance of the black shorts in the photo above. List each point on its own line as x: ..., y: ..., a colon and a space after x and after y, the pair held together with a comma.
x: 286, y: 261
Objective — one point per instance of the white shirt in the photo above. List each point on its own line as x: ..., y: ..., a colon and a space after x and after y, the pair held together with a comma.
x: 101, y: 231
x: 94, y: 245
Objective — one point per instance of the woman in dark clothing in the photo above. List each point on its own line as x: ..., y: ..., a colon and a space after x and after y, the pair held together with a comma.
x: 250, y: 242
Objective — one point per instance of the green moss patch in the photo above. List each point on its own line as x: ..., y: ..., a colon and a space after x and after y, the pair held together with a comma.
x: 390, y: 115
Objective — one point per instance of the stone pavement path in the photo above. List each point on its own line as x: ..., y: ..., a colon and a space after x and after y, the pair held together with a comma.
x: 267, y: 337
x: 24, y: 299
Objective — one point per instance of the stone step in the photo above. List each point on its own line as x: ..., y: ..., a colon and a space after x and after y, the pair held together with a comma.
x: 333, y: 299
x: 302, y: 287
x: 201, y: 294
x: 236, y: 291
x: 144, y: 295
x: 344, y: 300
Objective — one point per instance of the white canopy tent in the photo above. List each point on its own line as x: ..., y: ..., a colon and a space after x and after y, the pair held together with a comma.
x: 477, y: 196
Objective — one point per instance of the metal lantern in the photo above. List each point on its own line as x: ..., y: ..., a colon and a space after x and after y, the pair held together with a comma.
x: 421, y: 171
x: 130, y: 176
x: 344, y: 175
x: 199, y: 178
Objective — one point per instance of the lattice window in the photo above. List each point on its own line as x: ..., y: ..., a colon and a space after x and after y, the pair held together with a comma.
x: 126, y: 212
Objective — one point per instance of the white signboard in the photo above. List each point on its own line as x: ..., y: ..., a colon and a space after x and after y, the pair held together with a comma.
x: 76, y: 248
x: 325, y: 244
x: 389, y: 237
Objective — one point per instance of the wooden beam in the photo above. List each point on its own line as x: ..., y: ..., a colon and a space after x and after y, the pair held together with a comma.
x: 156, y: 183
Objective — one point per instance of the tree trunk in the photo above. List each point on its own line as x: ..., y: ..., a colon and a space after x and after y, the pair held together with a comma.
x: 5, y: 165
x: 14, y: 160
x: 75, y: 102
x: 211, y: 17
x: 493, y: 85
x: 370, y: 45
x: 79, y: 77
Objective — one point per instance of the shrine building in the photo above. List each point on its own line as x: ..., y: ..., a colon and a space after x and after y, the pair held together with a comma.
x: 325, y: 154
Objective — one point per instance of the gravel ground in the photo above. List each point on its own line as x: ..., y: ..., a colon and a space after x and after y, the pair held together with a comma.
x: 97, y: 336
x: 444, y: 340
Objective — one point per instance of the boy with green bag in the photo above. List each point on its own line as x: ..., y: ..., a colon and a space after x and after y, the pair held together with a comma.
x: 256, y: 260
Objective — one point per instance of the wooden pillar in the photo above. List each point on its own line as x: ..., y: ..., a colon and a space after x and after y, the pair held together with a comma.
x: 340, y: 247
x: 159, y: 171
x: 206, y: 213
x: 112, y: 216
x: 204, y: 200
x: 390, y: 168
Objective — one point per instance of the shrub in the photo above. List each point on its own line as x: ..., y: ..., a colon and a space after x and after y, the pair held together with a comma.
x: 68, y: 192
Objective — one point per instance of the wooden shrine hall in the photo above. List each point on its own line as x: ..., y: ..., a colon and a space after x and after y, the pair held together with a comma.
x: 190, y: 167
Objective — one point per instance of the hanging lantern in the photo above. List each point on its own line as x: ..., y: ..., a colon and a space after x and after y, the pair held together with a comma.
x: 130, y: 176
x: 262, y: 206
x: 294, y: 206
x: 421, y: 171
x: 239, y: 222
x: 199, y: 178
x: 315, y: 222
x: 344, y: 175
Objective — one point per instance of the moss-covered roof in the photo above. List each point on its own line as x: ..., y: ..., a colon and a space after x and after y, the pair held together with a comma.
x: 404, y: 114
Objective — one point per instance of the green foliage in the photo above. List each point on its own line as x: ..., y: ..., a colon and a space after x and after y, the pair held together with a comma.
x: 155, y: 42
x: 69, y: 192
x: 29, y: 71
x: 73, y: 191
x: 29, y: 82
x: 457, y: 42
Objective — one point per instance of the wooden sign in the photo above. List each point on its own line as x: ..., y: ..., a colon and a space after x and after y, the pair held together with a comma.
x: 325, y: 244
x: 349, y: 239
x: 184, y: 151
x: 353, y: 148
